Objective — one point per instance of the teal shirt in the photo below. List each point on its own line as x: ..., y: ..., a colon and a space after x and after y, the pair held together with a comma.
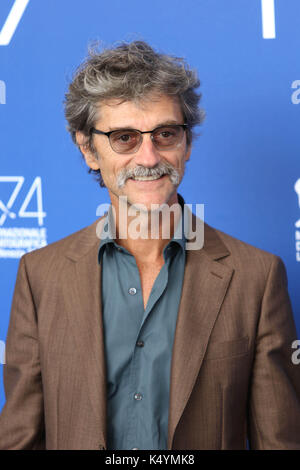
x: 138, y: 343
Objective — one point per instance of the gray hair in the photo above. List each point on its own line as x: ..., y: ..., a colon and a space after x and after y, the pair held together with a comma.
x: 129, y: 72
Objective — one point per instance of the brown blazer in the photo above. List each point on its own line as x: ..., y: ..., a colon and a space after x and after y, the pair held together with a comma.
x: 232, y: 377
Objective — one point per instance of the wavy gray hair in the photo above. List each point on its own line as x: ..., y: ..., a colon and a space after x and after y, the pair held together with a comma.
x: 129, y: 72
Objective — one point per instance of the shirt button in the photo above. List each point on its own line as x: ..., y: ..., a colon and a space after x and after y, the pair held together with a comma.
x: 140, y: 344
x: 132, y: 291
x: 138, y: 396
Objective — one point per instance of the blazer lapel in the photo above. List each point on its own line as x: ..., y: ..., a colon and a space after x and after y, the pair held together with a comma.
x: 204, y: 287
x: 86, y: 318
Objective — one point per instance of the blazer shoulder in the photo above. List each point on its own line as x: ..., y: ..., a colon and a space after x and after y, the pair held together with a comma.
x: 243, y: 255
x: 78, y: 242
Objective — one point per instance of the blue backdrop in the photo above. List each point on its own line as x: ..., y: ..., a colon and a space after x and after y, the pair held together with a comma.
x: 244, y: 166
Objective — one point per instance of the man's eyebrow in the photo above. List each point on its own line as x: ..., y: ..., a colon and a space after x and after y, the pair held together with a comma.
x: 169, y: 122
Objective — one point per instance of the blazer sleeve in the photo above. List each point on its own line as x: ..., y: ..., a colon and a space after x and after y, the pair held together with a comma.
x: 22, y: 417
x: 274, y: 399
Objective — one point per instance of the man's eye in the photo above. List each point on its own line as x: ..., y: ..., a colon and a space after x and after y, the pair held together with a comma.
x: 167, y: 134
x: 124, y: 137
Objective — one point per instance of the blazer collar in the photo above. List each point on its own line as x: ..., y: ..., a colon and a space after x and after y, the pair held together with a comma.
x: 87, y: 238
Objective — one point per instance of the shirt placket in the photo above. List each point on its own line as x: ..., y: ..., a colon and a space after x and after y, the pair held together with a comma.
x: 138, y: 393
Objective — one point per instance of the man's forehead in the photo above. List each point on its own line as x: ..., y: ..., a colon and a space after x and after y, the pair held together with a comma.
x: 140, y: 102
x: 163, y: 108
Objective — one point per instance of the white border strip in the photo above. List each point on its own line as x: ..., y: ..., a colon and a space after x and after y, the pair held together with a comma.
x: 268, y: 19
x: 12, y: 21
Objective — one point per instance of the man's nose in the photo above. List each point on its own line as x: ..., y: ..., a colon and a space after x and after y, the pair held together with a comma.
x: 147, y: 155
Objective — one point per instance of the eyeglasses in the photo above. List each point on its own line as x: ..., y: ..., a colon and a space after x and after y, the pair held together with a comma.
x: 129, y: 140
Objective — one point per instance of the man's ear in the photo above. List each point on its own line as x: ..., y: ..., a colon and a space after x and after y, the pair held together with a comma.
x: 188, y: 152
x: 88, y: 155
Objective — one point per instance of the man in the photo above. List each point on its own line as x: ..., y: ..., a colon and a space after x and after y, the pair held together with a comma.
x: 124, y: 342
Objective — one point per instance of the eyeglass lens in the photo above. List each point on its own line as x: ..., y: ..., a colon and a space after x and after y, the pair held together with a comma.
x: 164, y: 138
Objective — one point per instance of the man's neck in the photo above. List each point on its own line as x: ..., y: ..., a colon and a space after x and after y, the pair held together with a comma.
x: 145, y: 234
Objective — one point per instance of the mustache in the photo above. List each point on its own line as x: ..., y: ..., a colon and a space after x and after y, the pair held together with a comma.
x: 162, y: 168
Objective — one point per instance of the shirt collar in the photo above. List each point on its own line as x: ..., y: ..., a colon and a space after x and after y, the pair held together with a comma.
x: 107, y: 234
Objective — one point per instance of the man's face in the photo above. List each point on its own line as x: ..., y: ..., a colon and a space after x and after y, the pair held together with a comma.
x: 144, y: 116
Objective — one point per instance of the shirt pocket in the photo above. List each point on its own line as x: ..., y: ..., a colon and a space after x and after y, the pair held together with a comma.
x: 221, y: 350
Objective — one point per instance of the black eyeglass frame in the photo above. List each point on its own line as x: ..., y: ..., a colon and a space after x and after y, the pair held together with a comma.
x: 97, y: 131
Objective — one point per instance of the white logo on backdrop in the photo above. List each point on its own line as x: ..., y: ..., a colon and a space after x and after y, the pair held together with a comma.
x: 268, y: 19
x: 19, y: 6
x: 12, y: 21
x: 16, y: 241
x: 297, y: 224
x: 2, y: 92
x: 296, y: 94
